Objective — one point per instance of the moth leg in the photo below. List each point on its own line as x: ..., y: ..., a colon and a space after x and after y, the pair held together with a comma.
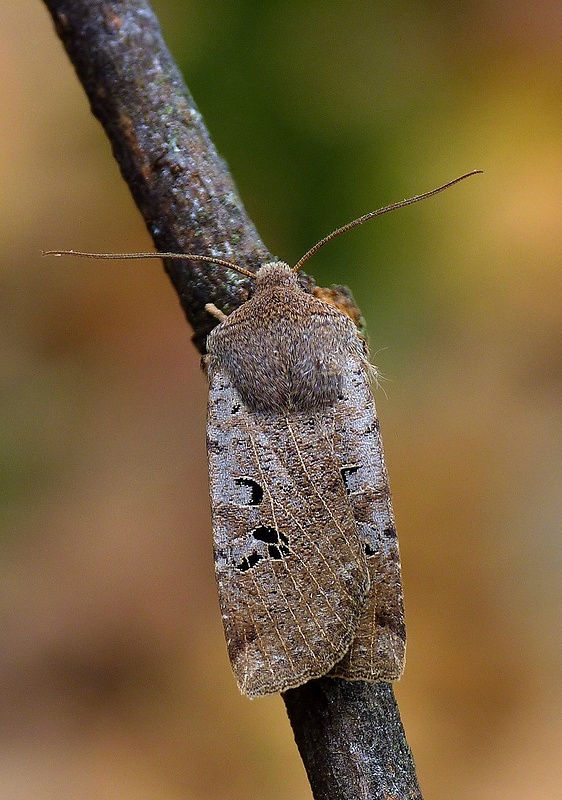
x: 215, y: 312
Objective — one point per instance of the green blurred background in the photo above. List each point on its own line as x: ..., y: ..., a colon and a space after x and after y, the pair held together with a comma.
x: 113, y: 670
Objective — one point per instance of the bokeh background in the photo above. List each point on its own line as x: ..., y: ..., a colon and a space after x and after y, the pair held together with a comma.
x: 114, y: 679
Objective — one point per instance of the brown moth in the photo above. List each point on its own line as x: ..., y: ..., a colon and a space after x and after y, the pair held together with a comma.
x: 306, y: 552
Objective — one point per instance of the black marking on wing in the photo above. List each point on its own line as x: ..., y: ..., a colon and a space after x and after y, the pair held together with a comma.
x: 277, y: 547
x: 256, y: 491
x: 346, y: 473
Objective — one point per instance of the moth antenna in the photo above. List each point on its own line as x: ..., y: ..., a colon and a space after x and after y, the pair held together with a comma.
x: 379, y: 212
x: 178, y: 256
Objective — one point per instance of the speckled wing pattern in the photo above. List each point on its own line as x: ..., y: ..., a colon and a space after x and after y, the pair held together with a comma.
x: 291, y: 567
x: 377, y: 650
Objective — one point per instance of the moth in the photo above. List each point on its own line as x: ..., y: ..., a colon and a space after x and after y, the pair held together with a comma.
x: 306, y: 551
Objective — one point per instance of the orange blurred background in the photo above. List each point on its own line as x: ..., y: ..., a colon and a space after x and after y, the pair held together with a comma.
x: 114, y: 677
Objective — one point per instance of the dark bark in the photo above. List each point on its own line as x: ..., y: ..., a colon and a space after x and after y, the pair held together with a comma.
x: 351, y: 740
x: 349, y: 734
x: 181, y: 185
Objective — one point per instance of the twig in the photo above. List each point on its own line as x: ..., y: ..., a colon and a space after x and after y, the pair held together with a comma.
x: 180, y: 184
x: 349, y: 734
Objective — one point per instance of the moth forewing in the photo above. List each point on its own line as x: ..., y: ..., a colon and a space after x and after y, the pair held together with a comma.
x: 291, y: 571
x: 377, y: 651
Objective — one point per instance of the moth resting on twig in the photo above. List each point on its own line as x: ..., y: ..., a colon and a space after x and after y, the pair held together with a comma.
x: 306, y: 552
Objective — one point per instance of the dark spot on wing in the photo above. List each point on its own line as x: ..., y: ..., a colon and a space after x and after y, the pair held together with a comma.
x: 277, y: 548
x: 255, y: 493
x: 346, y: 473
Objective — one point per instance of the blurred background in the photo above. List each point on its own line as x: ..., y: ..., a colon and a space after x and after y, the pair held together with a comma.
x: 114, y: 678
